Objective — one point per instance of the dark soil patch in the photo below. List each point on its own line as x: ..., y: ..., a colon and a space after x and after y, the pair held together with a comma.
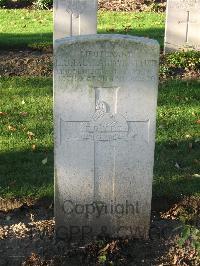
x: 26, y: 63
x: 27, y: 238
x: 132, y: 5
x: 10, y: 4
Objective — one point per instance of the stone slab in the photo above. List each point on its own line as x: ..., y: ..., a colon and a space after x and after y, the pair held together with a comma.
x: 74, y: 17
x: 105, y: 98
x: 182, y: 31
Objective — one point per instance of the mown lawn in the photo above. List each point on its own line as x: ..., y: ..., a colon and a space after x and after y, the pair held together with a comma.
x: 21, y: 28
x: 26, y: 142
x: 26, y: 138
x: 145, y: 24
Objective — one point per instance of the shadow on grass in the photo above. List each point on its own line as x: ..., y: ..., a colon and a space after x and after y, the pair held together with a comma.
x: 26, y: 174
x: 31, y: 40
x: 20, y: 41
x: 29, y: 85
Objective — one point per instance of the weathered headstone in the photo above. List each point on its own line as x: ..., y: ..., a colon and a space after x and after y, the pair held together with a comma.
x: 182, y: 31
x: 105, y: 95
x: 74, y: 17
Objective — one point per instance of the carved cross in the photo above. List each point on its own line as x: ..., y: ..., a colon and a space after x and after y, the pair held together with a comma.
x: 75, y: 8
x: 103, y: 131
x: 187, y: 21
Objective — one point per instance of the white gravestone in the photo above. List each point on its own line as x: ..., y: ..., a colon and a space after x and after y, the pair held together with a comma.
x: 182, y: 31
x: 105, y: 95
x: 74, y: 17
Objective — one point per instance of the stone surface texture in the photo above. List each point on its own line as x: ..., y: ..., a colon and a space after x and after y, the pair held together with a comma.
x: 105, y: 96
x: 74, y: 17
x: 182, y: 31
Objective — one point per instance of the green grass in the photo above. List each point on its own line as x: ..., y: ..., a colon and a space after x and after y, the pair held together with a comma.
x: 145, y: 24
x: 20, y: 28
x: 178, y: 139
x: 21, y: 169
x: 22, y: 172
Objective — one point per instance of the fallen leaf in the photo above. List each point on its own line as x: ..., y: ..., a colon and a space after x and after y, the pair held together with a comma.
x: 32, y: 218
x: 33, y: 147
x: 196, y: 175
x: 104, y: 249
x: 30, y: 134
x: 177, y: 166
x: 23, y: 102
x: 11, y: 128
x: 3, y: 113
x: 23, y: 113
x: 44, y: 161
x: 198, y: 121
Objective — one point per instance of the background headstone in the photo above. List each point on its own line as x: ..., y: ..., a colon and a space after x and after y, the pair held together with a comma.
x: 105, y: 95
x: 182, y: 29
x: 74, y: 17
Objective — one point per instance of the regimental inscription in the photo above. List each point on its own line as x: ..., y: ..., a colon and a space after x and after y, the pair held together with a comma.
x: 75, y: 7
x: 106, y: 123
x: 104, y: 65
x: 184, y: 4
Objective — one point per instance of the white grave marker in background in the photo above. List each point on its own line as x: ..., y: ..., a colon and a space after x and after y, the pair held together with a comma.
x: 182, y: 31
x: 74, y: 17
x: 105, y: 95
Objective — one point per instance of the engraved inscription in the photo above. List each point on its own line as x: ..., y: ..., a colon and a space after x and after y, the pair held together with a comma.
x: 104, y: 65
x: 104, y: 125
x: 82, y: 130
x: 75, y: 7
x: 184, y: 4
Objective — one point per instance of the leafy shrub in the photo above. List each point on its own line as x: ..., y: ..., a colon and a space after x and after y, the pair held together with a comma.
x: 43, y: 4
x: 190, y: 238
x: 44, y: 46
x: 177, y: 63
x: 189, y: 60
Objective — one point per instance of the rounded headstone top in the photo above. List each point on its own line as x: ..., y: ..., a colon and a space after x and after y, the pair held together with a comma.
x: 107, y: 37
